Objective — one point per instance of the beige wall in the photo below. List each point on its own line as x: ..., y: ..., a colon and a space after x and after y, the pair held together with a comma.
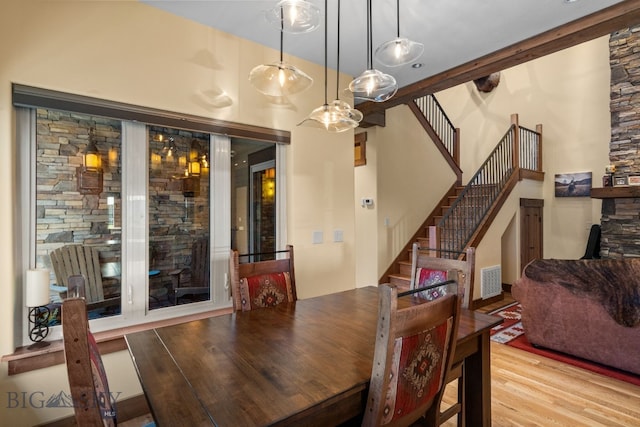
x: 412, y: 178
x: 567, y: 92
x: 128, y: 52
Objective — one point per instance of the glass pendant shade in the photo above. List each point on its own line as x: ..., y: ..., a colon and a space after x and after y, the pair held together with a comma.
x: 294, y: 16
x: 330, y: 118
x: 346, y: 111
x: 279, y: 79
x: 398, y: 52
x: 373, y: 85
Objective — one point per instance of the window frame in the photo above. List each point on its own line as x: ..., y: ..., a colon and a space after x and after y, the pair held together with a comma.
x: 135, y: 122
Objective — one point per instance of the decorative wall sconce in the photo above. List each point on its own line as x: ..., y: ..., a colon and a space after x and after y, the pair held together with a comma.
x: 169, y: 147
x: 269, y: 183
x: 191, y: 181
x: 37, y: 298
x: 90, y: 173
x: 194, y: 165
x: 191, y: 186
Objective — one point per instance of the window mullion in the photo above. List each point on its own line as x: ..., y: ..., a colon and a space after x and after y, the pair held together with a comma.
x: 135, y: 224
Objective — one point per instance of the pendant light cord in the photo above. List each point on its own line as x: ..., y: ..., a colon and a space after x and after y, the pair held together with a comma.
x: 369, y: 37
x: 338, y: 58
x: 398, y: 17
x: 281, y: 31
x: 326, y: 31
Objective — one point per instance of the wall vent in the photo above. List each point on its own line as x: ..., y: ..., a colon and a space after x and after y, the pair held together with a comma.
x: 491, y: 281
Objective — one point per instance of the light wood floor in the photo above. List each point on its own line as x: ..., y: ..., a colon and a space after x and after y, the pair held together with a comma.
x: 532, y: 390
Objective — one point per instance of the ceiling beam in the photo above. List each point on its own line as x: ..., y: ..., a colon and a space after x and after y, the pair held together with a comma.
x: 621, y: 15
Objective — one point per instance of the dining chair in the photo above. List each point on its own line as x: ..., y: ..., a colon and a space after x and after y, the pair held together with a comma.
x: 198, y: 272
x: 415, y: 343
x: 264, y: 283
x: 88, y: 383
x: 426, y: 270
x: 87, y: 378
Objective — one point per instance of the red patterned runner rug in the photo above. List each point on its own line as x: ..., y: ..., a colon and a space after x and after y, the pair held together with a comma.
x: 511, y: 333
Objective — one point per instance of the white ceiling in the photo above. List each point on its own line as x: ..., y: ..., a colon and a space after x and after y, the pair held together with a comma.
x: 453, y: 32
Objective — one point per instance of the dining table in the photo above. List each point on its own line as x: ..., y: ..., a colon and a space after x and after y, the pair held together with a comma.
x: 306, y: 362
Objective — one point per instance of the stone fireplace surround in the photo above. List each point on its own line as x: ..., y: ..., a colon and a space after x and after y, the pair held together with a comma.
x: 620, y: 221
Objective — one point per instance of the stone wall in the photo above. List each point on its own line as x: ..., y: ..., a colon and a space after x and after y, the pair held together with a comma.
x: 64, y: 216
x: 620, y: 217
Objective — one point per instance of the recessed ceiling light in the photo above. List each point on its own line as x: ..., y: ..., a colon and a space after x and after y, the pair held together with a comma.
x: 570, y: 1
x: 417, y: 65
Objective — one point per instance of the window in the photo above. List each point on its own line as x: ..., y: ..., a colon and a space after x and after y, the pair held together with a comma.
x: 179, y: 206
x: 77, y: 228
x: 154, y: 215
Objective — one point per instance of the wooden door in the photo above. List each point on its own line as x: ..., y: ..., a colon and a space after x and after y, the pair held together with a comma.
x: 530, y: 230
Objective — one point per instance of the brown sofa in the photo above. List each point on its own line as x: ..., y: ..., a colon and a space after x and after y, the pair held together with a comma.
x: 587, y: 308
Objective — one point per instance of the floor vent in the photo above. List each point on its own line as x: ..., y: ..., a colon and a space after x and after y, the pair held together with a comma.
x: 491, y: 281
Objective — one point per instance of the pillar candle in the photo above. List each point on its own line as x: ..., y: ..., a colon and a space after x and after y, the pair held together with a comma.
x: 37, y: 289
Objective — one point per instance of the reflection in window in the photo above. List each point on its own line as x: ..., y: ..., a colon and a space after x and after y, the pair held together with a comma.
x: 179, y: 260
x: 78, y: 207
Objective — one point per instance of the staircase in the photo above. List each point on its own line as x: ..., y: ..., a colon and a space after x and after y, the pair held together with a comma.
x: 401, y: 277
x: 465, y: 213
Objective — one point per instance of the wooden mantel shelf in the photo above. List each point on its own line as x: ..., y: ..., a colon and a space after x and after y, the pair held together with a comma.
x: 619, y: 192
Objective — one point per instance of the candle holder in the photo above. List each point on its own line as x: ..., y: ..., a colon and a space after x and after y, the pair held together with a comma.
x: 38, y: 326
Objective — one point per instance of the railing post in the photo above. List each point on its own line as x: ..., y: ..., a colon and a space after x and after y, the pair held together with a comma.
x: 456, y: 145
x: 434, y: 240
x: 516, y: 141
x: 539, y: 162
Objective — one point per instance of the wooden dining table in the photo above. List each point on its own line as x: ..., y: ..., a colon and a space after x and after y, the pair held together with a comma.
x: 302, y: 363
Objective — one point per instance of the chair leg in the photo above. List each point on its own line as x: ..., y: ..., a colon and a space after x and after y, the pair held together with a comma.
x: 461, y: 398
x: 455, y: 374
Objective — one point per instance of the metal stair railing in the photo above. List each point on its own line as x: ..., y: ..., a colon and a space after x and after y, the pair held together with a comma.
x: 469, y: 209
x: 519, y: 148
x: 438, y: 120
x: 529, y: 150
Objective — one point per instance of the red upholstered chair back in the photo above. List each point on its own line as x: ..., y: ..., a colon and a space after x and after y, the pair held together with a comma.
x: 415, y: 342
x: 262, y: 284
x: 427, y: 269
x: 87, y: 378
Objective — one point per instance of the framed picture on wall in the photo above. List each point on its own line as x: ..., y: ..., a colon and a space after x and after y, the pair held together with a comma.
x: 573, y: 184
x: 633, y: 180
x: 620, y: 180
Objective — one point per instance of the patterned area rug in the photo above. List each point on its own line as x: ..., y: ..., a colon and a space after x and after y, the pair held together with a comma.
x: 511, y: 333
x: 511, y: 328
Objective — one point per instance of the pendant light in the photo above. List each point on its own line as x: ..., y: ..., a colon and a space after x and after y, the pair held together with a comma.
x: 345, y: 109
x: 400, y: 50
x: 373, y: 85
x: 300, y: 16
x: 328, y: 117
x: 279, y: 79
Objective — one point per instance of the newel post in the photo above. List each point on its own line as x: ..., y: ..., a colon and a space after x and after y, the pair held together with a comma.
x: 516, y: 141
x: 434, y: 241
x: 539, y: 162
x: 456, y: 146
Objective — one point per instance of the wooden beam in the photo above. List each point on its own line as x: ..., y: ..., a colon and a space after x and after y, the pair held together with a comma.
x: 375, y: 118
x: 606, y: 21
